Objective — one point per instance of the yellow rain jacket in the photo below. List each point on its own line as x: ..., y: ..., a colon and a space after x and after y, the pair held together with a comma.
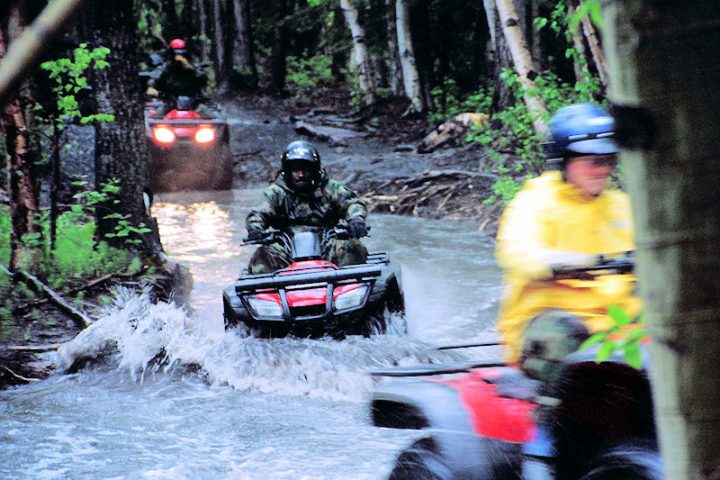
x: 550, y: 220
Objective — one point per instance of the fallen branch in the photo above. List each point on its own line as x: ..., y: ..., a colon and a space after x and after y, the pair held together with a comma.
x: 78, y: 317
x: 19, y: 377
x: 31, y: 348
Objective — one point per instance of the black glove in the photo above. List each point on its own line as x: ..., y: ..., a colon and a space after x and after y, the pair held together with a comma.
x: 255, y: 234
x: 357, y: 227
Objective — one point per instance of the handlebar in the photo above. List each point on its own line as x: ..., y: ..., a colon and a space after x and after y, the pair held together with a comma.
x: 605, y: 265
x: 270, y: 235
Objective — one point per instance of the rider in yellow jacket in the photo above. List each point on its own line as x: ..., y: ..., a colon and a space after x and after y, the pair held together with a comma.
x: 566, y: 218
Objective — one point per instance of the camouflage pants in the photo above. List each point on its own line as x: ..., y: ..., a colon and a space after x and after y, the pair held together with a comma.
x: 269, y: 258
x: 549, y: 338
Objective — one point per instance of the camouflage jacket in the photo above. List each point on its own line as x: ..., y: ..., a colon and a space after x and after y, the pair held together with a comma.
x: 176, y: 80
x: 282, y: 207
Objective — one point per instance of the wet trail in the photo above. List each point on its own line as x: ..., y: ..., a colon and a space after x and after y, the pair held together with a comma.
x: 171, y: 395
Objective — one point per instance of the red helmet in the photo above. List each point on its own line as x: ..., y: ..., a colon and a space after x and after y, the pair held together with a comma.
x: 177, y: 44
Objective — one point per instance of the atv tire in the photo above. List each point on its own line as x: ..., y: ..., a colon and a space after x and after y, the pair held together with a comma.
x: 421, y: 461
x: 628, y: 461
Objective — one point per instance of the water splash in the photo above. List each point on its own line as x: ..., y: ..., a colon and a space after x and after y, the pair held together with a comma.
x: 142, y: 337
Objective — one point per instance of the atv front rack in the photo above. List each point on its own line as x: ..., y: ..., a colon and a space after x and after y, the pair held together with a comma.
x: 301, y: 280
x: 280, y: 281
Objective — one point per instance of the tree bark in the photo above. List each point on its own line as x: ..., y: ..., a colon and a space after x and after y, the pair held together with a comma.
x: 411, y: 78
x: 361, y: 56
x: 393, y: 61
x: 667, y: 120
x: 120, y: 146
x: 23, y: 187
x: 498, y: 56
x: 219, y: 37
x: 278, y: 60
x: 523, y: 63
x: 243, y: 52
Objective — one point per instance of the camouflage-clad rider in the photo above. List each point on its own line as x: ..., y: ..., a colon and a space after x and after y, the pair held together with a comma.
x: 302, y: 194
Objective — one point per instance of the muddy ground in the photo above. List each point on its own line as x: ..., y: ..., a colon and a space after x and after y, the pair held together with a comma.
x: 373, y: 150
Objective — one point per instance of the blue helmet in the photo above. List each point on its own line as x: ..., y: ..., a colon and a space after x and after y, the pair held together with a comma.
x: 581, y: 129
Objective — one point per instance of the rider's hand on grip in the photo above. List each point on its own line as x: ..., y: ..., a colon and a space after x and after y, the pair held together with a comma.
x: 563, y: 263
x: 357, y: 227
x: 255, y: 234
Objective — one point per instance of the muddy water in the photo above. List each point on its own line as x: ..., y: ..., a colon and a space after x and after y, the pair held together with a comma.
x: 170, y: 395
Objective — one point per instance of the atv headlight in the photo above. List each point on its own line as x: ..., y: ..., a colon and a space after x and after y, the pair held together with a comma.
x: 351, y: 299
x: 163, y: 135
x: 264, y: 308
x: 205, y: 134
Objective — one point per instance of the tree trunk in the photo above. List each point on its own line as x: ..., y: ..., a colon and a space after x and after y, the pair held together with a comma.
x: 662, y: 57
x: 22, y: 184
x: 393, y: 61
x: 278, y: 61
x: 243, y: 52
x: 203, y: 21
x: 523, y: 63
x: 219, y: 36
x: 120, y: 146
x: 411, y: 78
x: 498, y: 56
x: 171, y: 27
x: 360, y: 53
x: 598, y: 55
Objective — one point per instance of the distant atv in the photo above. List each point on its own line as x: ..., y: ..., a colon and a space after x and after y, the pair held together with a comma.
x: 487, y: 420
x: 187, y: 152
x: 313, y: 297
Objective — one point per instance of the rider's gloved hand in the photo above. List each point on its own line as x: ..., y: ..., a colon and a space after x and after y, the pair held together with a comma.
x: 255, y: 234
x: 152, y: 92
x: 563, y: 261
x: 184, y: 63
x: 357, y: 227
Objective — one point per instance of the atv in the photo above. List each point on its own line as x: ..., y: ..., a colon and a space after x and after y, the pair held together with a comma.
x: 313, y: 297
x: 488, y: 420
x: 187, y: 151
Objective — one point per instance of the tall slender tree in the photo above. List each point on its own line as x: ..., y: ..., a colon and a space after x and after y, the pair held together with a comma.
x: 120, y: 146
x: 361, y: 57
x: 243, y: 51
x: 23, y: 187
x: 411, y: 79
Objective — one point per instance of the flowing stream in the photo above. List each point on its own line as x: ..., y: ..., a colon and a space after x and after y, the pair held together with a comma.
x: 168, y: 394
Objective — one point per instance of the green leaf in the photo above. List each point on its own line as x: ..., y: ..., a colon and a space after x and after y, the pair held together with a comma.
x: 606, y: 349
x: 632, y: 355
x: 593, y: 340
x: 619, y: 316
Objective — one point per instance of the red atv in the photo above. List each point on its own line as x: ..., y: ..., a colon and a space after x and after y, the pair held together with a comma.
x: 488, y: 420
x: 313, y: 297
x: 187, y: 151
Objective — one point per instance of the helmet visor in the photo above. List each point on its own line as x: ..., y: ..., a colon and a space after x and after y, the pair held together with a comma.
x: 594, y: 146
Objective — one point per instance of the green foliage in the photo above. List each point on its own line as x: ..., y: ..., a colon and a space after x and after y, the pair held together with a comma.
x: 447, y: 103
x: 90, y: 200
x: 504, y: 190
x: 625, y: 335
x: 306, y: 75
x: 68, y: 76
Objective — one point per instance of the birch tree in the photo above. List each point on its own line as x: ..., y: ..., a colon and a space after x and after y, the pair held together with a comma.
x: 522, y: 60
x: 411, y: 79
x: 393, y: 62
x: 664, y: 73
x: 361, y: 57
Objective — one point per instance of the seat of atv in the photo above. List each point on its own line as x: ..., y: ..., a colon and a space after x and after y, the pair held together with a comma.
x: 513, y: 383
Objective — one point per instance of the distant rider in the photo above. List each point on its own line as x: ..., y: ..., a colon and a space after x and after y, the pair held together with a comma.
x: 178, y: 77
x: 302, y: 194
x: 565, y: 217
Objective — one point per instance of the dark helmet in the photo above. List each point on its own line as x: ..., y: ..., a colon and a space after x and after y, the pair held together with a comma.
x: 581, y: 129
x: 178, y: 45
x: 300, y: 155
